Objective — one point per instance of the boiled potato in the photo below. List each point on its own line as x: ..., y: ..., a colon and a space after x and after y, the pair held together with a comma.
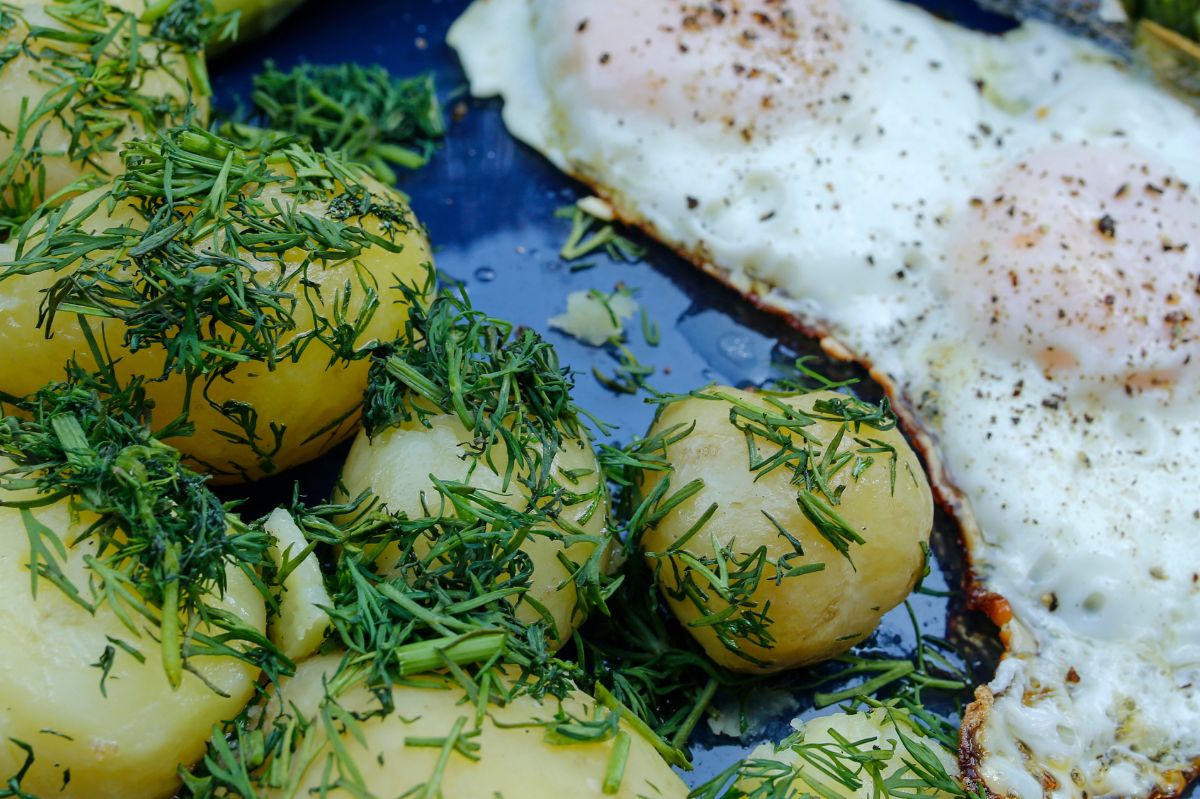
x: 129, y: 744
x: 80, y: 106
x: 396, y: 466
x: 852, y: 755
x: 791, y: 595
x: 397, y: 754
x: 267, y: 413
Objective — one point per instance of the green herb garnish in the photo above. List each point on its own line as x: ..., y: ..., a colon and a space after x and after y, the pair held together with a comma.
x: 363, y: 112
x: 210, y: 253
x: 163, y: 543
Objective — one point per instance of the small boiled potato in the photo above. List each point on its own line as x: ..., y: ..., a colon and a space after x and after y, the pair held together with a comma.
x: 300, y: 408
x: 302, y: 622
x: 810, y: 615
x: 514, y: 759
x: 870, y: 749
x: 396, y: 464
x: 62, y: 84
x: 130, y: 744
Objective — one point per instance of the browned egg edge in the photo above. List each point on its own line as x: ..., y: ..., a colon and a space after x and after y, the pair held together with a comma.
x: 971, y: 752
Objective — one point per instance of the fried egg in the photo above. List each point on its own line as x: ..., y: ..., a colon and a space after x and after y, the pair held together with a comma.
x: 1006, y: 230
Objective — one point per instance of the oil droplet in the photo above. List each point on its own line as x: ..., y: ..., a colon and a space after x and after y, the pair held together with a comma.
x: 485, y: 274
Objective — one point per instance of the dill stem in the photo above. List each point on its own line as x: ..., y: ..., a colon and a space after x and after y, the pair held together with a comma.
x: 428, y: 655
x: 155, y: 11
x: 669, y: 753
x: 171, y: 651
x: 895, y: 671
x: 615, y: 771
x: 693, y: 717
x: 433, y: 788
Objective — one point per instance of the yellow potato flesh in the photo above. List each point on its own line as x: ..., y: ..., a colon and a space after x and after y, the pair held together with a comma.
x: 125, y: 746
x: 396, y: 466
x: 302, y: 623
x: 306, y: 397
x: 161, y: 81
x: 515, y: 762
x: 815, y: 615
x: 851, y: 740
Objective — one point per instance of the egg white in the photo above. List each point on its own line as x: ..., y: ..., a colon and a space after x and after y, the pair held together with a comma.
x: 857, y: 202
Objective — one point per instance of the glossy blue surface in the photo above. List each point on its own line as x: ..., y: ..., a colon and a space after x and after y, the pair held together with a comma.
x: 489, y: 205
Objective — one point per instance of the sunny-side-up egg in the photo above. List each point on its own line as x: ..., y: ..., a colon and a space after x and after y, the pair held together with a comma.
x: 1004, y: 229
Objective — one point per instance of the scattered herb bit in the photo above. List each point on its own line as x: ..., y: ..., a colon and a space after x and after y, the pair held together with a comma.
x: 630, y: 375
x: 589, y: 234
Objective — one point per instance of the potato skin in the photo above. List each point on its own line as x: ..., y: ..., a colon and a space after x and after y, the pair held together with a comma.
x: 125, y: 746
x: 815, y: 615
x: 160, y: 85
x: 304, y: 396
x: 514, y: 761
x: 395, y: 465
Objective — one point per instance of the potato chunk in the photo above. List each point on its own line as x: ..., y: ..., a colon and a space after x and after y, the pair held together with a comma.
x: 804, y: 527
x: 396, y: 465
x: 398, y: 753
x: 264, y: 351
x: 129, y: 743
x: 303, y: 620
x: 80, y: 80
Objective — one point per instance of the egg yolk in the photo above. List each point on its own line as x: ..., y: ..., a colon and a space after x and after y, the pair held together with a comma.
x: 744, y: 65
x: 1086, y: 260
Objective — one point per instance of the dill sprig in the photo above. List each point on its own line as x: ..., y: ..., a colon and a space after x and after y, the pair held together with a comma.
x: 363, y: 112
x: 162, y: 542
x: 91, y: 63
x: 590, y: 234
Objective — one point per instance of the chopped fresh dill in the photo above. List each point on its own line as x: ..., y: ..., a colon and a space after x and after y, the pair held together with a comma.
x: 192, y: 25
x: 208, y: 258
x: 92, y: 65
x: 163, y: 543
x: 590, y: 234
x: 629, y: 376
x: 363, y: 112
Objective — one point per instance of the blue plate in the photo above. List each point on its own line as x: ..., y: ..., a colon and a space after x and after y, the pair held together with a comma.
x: 489, y: 204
